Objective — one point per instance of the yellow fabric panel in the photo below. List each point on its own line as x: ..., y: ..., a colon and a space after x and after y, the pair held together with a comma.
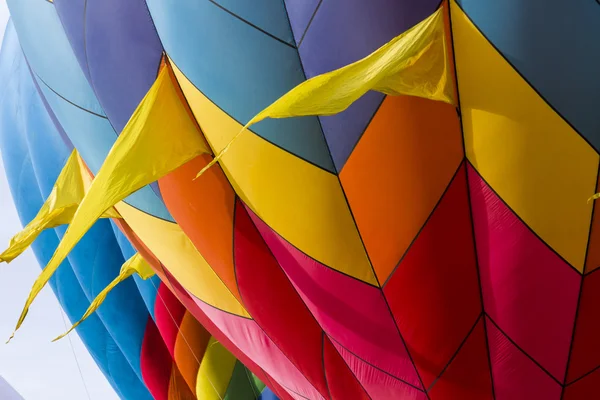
x: 159, y: 137
x: 87, y: 178
x: 135, y: 264
x: 176, y: 252
x: 215, y: 372
x: 58, y: 209
x: 415, y: 63
x: 530, y: 156
x: 301, y: 202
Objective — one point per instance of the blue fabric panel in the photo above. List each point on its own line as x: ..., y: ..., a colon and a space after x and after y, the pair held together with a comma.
x: 93, y: 137
x: 19, y: 107
x: 241, y: 69
x: 555, y: 45
x: 148, y: 288
x: 119, y: 46
x: 49, y: 52
x: 267, y: 394
x: 68, y: 92
x: 96, y: 259
x: 268, y: 15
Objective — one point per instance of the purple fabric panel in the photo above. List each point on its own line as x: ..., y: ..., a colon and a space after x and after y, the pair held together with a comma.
x: 342, y: 32
x: 299, y: 14
x: 123, y: 53
x: 71, y: 14
x: 342, y: 131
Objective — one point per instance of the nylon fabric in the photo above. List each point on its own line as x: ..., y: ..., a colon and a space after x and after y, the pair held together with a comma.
x: 59, y: 208
x: 414, y: 63
x: 136, y: 264
x: 160, y: 125
x: 215, y: 372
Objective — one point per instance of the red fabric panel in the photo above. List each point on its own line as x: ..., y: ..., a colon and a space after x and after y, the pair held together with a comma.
x: 168, y: 316
x: 340, y: 379
x: 434, y: 292
x: 193, y: 308
x: 468, y: 375
x: 273, y: 302
x: 378, y: 384
x: 587, y: 388
x: 515, y: 376
x: 585, y: 354
x: 350, y: 311
x: 528, y: 290
x: 248, y: 336
x: 155, y: 362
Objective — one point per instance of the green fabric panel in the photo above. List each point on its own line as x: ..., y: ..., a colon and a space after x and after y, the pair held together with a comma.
x: 243, y: 384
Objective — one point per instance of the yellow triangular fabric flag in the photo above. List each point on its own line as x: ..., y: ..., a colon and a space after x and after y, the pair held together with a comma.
x: 136, y: 264
x: 59, y: 208
x: 414, y: 63
x: 160, y: 137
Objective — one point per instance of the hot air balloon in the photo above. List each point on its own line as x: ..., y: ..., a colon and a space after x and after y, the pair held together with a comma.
x: 359, y: 199
x: 145, y: 342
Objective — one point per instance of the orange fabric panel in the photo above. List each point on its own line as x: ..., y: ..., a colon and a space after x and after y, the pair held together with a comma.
x: 190, y: 346
x: 178, y: 389
x: 204, y: 210
x: 398, y: 172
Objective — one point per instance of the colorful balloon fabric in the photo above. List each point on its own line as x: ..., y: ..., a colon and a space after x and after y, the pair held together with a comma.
x: 404, y: 248
x: 142, y: 338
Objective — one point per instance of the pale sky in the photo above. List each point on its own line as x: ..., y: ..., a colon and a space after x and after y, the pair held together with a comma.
x: 34, y: 366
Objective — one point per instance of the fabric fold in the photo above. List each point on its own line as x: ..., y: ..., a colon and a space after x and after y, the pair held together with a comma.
x: 160, y: 137
x: 415, y: 63
x: 136, y: 264
x: 59, y: 208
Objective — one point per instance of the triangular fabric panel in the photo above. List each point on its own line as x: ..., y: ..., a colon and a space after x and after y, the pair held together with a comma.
x: 341, y: 381
x: 468, y: 375
x: 416, y: 157
x: 118, y: 48
x: 434, y: 292
x: 270, y: 298
x: 303, y: 203
x: 338, y: 36
x: 300, y: 13
x: 584, y: 389
x: 528, y: 290
x: 267, y: 15
x: 542, y: 35
x: 214, y: 50
x: 378, y: 384
x: 208, y: 220
x: 241, y: 385
x: 585, y: 353
x: 515, y: 376
x: 349, y: 311
x: 542, y: 168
